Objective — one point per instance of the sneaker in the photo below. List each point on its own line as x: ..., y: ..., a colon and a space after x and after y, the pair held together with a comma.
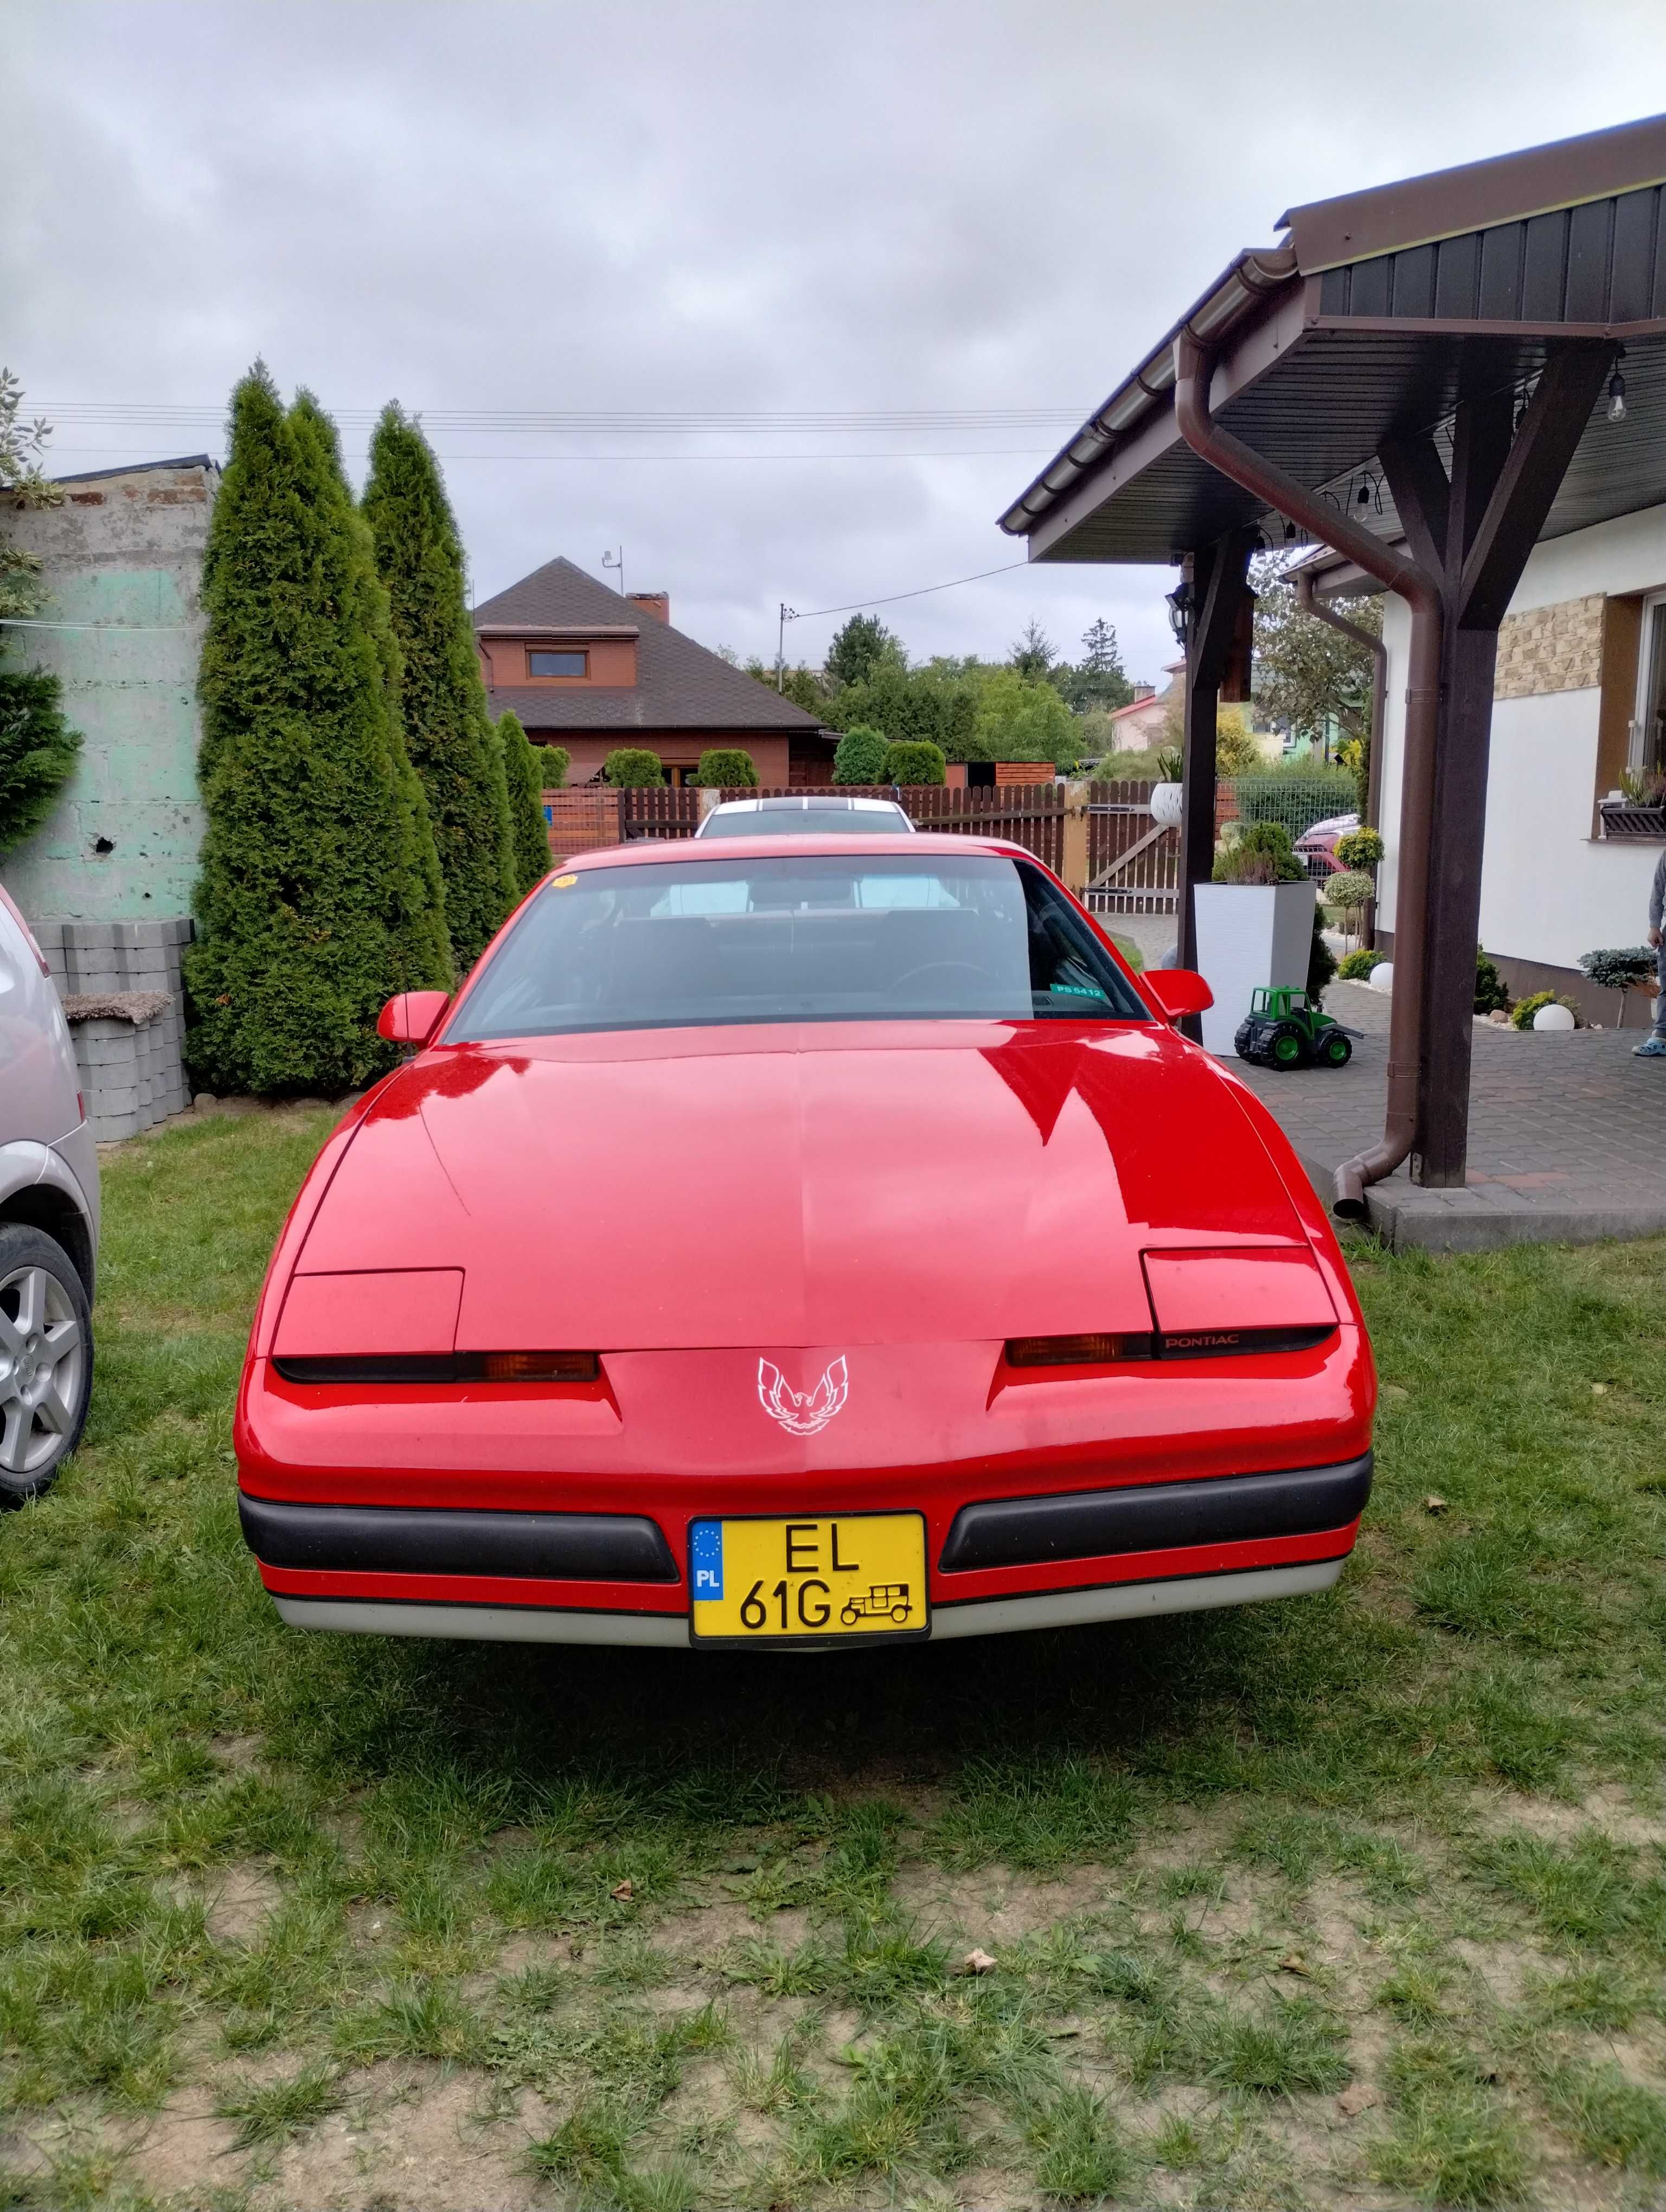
x: 1652, y: 1047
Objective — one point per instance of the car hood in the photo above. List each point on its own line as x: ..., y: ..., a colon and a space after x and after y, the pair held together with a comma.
x: 799, y: 1185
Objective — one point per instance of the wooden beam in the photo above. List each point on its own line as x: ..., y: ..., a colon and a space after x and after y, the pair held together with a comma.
x: 1219, y: 583
x: 1417, y: 479
x: 1506, y: 533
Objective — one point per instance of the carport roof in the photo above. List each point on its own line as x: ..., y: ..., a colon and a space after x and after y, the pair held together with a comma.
x: 1366, y: 325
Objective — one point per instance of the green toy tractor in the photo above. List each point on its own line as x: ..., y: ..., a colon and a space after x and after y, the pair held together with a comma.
x: 1285, y: 1029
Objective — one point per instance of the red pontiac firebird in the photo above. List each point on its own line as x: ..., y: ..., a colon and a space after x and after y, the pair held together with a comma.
x: 801, y: 1241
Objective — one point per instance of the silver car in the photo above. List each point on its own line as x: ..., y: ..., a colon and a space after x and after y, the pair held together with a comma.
x: 816, y: 817
x: 49, y: 1224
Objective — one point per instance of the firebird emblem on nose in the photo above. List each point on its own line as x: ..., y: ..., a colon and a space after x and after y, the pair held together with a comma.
x: 802, y: 1415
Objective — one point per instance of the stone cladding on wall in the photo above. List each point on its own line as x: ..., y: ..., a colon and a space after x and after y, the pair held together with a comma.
x: 1554, y: 648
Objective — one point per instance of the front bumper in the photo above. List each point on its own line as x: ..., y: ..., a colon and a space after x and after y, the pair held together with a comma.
x: 1128, y: 1553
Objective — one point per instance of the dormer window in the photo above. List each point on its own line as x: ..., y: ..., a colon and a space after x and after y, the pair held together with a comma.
x: 569, y: 663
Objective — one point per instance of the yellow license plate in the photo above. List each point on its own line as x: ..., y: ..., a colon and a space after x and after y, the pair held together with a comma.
x: 770, y: 1581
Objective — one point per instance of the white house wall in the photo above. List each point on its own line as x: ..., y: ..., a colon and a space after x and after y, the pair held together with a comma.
x: 1549, y: 890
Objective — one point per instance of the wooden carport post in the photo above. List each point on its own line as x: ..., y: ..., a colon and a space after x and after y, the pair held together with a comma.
x: 1474, y: 532
x: 1219, y: 574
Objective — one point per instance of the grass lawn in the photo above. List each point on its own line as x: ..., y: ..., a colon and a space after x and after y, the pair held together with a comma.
x: 1352, y: 1900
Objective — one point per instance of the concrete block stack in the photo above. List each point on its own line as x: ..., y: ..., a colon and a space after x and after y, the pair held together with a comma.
x: 125, y: 1002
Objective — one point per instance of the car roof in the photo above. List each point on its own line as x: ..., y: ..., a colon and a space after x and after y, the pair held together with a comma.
x: 811, y: 802
x: 723, y: 852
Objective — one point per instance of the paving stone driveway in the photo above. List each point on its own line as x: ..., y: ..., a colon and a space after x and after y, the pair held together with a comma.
x: 1567, y: 1133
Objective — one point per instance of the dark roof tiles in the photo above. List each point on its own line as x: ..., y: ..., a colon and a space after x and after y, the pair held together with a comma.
x: 680, y: 684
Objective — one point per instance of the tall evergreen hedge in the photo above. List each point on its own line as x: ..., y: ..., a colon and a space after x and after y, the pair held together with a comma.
x: 449, y: 728
x: 525, y: 772
x: 38, y: 749
x: 319, y: 894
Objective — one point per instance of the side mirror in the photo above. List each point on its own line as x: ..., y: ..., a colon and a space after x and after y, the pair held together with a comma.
x: 413, y: 1017
x: 1176, y: 991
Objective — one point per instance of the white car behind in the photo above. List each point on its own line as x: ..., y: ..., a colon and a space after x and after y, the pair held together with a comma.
x: 49, y: 1224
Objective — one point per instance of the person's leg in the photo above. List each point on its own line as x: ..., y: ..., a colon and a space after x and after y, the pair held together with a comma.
x: 1653, y: 1047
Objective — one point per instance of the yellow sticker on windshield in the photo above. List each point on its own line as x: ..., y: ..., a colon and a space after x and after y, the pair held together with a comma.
x: 563, y: 883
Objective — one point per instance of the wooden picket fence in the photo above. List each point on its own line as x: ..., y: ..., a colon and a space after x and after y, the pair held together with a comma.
x: 1133, y: 862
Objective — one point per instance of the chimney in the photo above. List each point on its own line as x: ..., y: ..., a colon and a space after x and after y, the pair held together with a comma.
x: 1143, y: 691
x: 657, y: 604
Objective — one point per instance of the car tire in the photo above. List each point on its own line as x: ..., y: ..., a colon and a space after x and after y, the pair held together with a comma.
x: 46, y: 1360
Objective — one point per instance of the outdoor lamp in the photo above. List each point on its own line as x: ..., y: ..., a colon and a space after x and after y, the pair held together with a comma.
x: 1180, y: 608
x: 1616, y: 398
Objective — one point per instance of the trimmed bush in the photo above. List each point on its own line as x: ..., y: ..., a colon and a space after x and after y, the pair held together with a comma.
x: 1349, y: 890
x: 1524, y: 1009
x: 1357, y: 967
x: 318, y: 892
x: 38, y: 751
x: 1490, y: 995
x: 1361, y: 848
x: 913, y: 763
x: 727, y: 768
x: 449, y: 728
x: 859, y: 755
x: 524, y: 772
x: 1261, y: 854
x: 633, y: 767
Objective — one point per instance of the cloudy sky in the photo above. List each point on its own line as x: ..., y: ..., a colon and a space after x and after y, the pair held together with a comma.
x: 844, y: 213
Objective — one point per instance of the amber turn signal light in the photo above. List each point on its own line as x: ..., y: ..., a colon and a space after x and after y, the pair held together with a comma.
x: 1090, y: 1351
x: 536, y: 1366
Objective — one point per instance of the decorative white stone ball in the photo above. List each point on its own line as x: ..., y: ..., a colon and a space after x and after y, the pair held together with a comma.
x: 1166, y: 799
x: 1553, y: 1017
x: 1381, y: 976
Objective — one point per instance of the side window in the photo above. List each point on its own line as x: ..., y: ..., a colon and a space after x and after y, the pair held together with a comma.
x: 1070, y: 969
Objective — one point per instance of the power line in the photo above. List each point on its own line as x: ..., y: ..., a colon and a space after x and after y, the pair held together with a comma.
x: 891, y: 598
x: 511, y: 422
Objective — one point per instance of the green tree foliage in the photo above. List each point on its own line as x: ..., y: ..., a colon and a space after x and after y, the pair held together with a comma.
x: 1236, y: 752
x: 859, y: 755
x: 318, y: 897
x: 1361, y: 848
x: 1022, y: 719
x: 1262, y: 852
x: 1099, y: 681
x: 727, y: 768
x: 857, y: 649
x: 1308, y: 676
x: 38, y: 751
x: 633, y: 767
x: 1034, y: 653
x: 1491, y: 993
x: 913, y: 763
x: 553, y: 764
x: 24, y: 485
x: 524, y: 770
x: 449, y: 728
x: 1321, y: 960
x: 935, y: 706
x: 803, y: 686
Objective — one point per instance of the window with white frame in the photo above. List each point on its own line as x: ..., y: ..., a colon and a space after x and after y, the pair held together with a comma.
x: 1648, y: 733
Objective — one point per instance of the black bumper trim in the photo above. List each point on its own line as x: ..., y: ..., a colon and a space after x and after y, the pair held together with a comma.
x: 382, y: 1540
x: 1159, y: 1517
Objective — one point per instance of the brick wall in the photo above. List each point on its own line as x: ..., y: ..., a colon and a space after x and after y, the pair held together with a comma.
x: 1554, y: 648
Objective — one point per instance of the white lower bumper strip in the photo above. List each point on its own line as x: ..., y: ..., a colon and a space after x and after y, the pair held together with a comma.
x: 998, y: 1616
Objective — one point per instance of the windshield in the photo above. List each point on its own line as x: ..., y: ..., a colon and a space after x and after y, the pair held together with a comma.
x: 674, y: 943
x: 807, y: 821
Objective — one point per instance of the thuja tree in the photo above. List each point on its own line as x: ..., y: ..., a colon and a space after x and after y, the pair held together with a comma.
x: 525, y: 773
x: 318, y: 892
x: 449, y: 728
x: 38, y: 751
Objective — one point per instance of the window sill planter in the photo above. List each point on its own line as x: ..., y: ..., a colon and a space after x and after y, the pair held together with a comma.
x: 1249, y: 934
x: 1621, y: 819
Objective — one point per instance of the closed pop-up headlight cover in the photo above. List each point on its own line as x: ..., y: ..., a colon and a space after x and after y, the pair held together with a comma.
x: 1212, y: 1294
x: 410, y: 1311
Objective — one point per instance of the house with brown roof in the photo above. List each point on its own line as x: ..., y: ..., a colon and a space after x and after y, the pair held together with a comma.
x: 589, y: 668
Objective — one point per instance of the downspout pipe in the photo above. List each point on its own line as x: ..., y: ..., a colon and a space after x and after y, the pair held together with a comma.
x: 1399, y: 573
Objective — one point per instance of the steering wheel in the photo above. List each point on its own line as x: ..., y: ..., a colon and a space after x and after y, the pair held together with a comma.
x: 938, y: 968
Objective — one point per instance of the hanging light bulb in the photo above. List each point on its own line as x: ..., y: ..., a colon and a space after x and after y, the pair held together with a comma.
x: 1289, y: 533
x: 1616, y: 398
x: 1362, y: 497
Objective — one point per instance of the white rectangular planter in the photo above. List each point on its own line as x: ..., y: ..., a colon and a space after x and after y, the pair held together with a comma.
x: 1249, y: 934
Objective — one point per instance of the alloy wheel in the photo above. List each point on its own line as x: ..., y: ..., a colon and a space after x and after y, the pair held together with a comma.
x: 43, y: 1356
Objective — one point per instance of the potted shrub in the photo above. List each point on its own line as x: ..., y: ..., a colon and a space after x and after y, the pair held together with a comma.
x: 1349, y: 892
x: 1254, y: 926
x: 1167, y: 792
x: 1638, y: 809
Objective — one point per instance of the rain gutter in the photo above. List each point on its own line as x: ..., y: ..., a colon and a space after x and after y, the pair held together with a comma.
x: 1252, y: 277
x: 1400, y: 573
